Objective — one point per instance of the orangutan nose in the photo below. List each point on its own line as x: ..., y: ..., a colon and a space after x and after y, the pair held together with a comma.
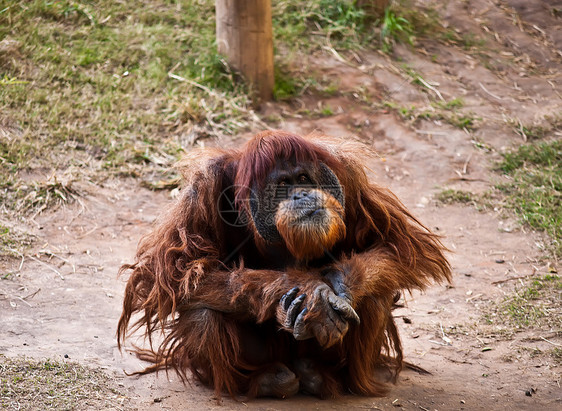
x: 299, y: 195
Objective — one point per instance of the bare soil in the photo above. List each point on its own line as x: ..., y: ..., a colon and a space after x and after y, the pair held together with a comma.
x: 63, y: 299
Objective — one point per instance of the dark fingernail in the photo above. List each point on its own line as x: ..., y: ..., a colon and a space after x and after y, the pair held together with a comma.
x: 292, y: 310
x: 287, y: 298
x: 300, y: 317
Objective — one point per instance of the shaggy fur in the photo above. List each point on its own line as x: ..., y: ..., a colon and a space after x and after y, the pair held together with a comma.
x: 212, y: 288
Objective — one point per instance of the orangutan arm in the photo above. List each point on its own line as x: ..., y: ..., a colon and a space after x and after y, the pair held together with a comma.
x: 248, y: 293
x: 261, y: 295
x: 381, y: 272
x: 375, y: 274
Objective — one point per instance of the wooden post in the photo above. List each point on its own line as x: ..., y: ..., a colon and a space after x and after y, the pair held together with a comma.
x: 245, y: 37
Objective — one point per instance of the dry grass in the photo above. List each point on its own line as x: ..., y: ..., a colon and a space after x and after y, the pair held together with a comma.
x: 535, y: 305
x: 98, y: 90
x: 27, y: 384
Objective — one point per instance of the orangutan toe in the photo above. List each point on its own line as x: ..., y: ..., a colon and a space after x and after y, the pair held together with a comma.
x: 279, y: 381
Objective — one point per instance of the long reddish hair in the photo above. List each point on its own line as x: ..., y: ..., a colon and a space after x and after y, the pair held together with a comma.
x: 261, y: 153
x: 177, y: 262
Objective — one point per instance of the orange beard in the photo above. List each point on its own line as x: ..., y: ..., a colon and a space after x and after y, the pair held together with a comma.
x: 310, y: 235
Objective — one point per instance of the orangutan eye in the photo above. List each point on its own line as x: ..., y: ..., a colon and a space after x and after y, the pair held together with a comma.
x: 283, y: 183
x: 303, y: 179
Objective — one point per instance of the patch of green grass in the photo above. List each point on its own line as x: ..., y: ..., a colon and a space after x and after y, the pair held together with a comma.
x: 10, y: 81
x: 86, y: 84
x: 408, y: 20
x: 413, y: 74
x: 48, y: 384
x: 532, y: 132
x: 407, y: 112
x: 6, y: 240
x: 535, y: 305
x: 286, y: 86
x: 329, y: 87
x: 535, y: 192
x: 290, y: 84
x: 462, y: 121
x: 538, y: 131
x: 395, y: 28
x: 427, y: 26
x: 390, y: 104
x: 441, y: 110
x: 326, y: 111
x: 450, y: 196
x: 450, y: 112
x: 452, y: 104
x: 481, y: 145
x: 470, y: 40
x: 307, y: 25
x: 12, y: 241
x: 446, y: 111
x: 114, y: 87
x: 343, y: 25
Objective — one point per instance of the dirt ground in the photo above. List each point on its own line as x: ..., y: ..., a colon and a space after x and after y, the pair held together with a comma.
x: 65, y: 300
